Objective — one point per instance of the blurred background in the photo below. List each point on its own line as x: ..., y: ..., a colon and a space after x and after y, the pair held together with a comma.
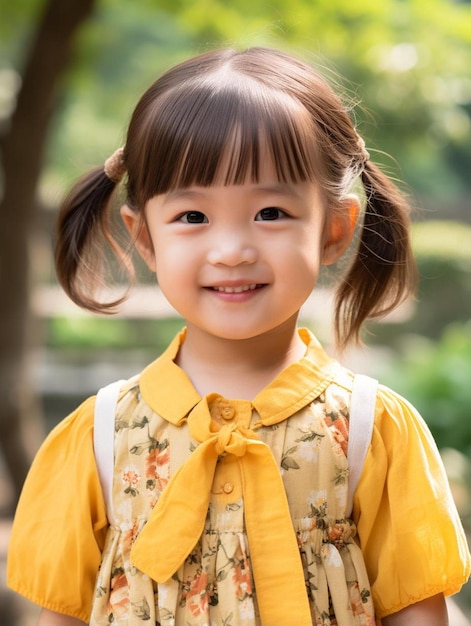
x: 71, y: 72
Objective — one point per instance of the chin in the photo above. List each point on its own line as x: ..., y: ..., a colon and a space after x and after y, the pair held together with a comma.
x: 240, y: 334
x: 236, y: 336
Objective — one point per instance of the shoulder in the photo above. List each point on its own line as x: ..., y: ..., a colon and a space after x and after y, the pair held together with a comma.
x: 75, y: 431
x: 397, y: 418
x: 403, y: 450
x: 393, y: 412
x: 76, y: 428
x: 398, y: 428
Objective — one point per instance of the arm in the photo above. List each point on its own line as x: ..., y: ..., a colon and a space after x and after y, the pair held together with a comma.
x: 57, y: 539
x: 50, y: 618
x: 429, y: 612
x: 433, y: 555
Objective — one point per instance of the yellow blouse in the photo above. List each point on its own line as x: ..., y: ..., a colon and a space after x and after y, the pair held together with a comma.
x: 408, y: 527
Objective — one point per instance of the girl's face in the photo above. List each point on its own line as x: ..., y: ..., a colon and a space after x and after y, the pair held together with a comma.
x: 238, y: 261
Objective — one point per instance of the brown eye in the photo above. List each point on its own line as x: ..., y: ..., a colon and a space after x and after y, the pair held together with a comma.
x: 269, y: 214
x: 194, y: 217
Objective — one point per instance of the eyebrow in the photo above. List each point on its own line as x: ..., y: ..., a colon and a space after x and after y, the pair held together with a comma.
x: 177, y: 194
x: 281, y: 189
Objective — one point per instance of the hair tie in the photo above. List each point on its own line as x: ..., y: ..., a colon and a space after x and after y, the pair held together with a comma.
x: 115, y: 167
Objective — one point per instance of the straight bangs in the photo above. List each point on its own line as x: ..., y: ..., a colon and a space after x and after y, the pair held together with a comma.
x: 205, y: 134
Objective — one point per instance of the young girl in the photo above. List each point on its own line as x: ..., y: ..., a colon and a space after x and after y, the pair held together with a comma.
x: 230, y: 488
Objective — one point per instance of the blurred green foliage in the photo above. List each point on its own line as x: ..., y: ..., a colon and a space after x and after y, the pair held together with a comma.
x: 436, y: 378
x: 83, y: 333
x: 406, y: 61
x: 431, y: 364
x: 443, y: 252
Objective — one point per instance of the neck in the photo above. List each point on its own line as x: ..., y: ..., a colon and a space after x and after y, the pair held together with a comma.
x: 238, y: 368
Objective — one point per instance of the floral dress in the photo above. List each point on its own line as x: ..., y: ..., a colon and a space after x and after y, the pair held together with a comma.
x: 229, y: 512
x: 223, y: 577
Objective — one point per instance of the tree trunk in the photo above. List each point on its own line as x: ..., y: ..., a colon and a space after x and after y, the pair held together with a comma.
x: 22, y: 155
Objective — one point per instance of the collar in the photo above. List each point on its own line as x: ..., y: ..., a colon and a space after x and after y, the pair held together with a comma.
x: 169, y: 392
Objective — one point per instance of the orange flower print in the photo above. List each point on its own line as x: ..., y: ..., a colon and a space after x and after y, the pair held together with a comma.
x: 197, y: 597
x: 130, y: 534
x: 242, y: 581
x: 338, y: 534
x: 157, y: 467
x: 118, y: 605
x: 342, y: 426
x: 130, y: 477
x: 342, y: 443
x: 338, y: 426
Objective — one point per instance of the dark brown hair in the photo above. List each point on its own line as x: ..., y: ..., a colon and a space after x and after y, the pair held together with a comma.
x: 229, y: 106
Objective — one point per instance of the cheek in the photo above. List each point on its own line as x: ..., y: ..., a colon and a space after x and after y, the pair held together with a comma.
x: 173, y: 267
x: 300, y: 269
x: 304, y: 253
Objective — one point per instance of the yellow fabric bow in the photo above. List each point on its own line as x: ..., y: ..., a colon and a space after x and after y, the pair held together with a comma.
x: 177, y: 521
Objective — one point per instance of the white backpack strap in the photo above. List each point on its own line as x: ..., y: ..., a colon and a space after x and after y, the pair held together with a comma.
x: 360, y: 430
x: 103, y: 439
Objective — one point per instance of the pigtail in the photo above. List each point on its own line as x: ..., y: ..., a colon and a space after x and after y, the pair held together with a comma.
x: 383, y: 272
x: 84, y: 239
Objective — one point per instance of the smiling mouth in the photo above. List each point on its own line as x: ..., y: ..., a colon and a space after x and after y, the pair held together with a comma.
x: 238, y: 289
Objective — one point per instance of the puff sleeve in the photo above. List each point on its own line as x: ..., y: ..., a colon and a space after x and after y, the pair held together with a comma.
x: 60, y: 523
x: 408, y: 526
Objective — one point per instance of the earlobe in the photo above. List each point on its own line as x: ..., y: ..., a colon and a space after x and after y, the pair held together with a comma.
x: 139, y: 233
x: 339, y: 230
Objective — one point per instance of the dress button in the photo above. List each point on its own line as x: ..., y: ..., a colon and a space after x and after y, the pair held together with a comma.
x: 227, y: 412
x: 228, y: 488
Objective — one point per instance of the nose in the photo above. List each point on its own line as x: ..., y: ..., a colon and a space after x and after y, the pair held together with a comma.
x: 232, y: 249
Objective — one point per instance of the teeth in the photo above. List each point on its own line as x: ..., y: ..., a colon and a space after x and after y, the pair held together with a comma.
x: 235, y: 289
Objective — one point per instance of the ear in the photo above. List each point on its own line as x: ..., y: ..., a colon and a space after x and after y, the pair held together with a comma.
x: 140, y: 236
x: 339, y: 229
